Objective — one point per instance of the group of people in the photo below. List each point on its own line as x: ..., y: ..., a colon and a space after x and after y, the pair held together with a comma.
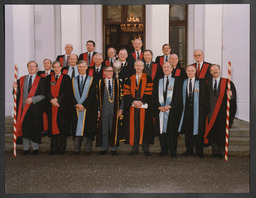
x: 125, y: 98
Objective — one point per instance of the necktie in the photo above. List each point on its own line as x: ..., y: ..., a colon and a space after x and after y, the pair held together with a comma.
x: 138, y: 56
x: 190, y: 89
x: 56, y: 77
x: 166, y: 58
x: 137, y: 81
x: 111, y: 62
x: 46, y: 73
x: 147, y: 65
x: 122, y: 65
x: 67, y: 63
x: 166, y: 88
x: 215, y: 87
x: 29, y: 83
x: 81, y: 84
x: 73, y: 72
x: 109, y: 88
x: 97, y: 70
x: 89, y: 59
x: 198, y: 70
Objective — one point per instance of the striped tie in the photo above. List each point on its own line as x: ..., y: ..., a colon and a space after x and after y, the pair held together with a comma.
x: 81, y: 84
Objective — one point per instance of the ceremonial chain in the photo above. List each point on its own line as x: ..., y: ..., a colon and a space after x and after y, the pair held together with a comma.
x: 113, y: 90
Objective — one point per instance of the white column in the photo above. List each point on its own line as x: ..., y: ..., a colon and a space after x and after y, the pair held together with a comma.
x: 236, y: 48
x: 157, y: 28
x: 44, y: 33
x: 71, y: 27
x: 19, y: 45
x: 91, y: 26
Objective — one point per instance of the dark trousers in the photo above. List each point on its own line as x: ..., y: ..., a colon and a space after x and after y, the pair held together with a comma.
x: 164, y: 143
x: 168, y: 142
x: 145, y: 145
x: 58, y: 143
x: 194, y: 140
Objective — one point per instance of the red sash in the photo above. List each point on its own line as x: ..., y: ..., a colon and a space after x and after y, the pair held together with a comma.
x: 107, y: 63
x: 154, y: 69
x: 161, y: 60
x: 61, y: 60
x: 43, y: 74
x: 55, y: 89
x: 65, y: 71
x: 177, y: 72
x: 216, y: 109
x: 85, y: 57
x: 21, y: 114
x: 203, y: 70
x: 135, y: 57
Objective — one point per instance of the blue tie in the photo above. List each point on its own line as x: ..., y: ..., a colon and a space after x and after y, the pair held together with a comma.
x: 109, y: 88
x: 81, y: 84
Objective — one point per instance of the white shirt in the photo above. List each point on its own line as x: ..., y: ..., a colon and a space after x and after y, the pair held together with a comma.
x: 33, y: 78
x: 148, y: 64
x: 138, y: 78
x: 169, y: 77
x: 201, y: 64
x: 193, y: 83
x: 165, y: 58
x: 70, y: 70
x: 97, y: 68
x: 137, y: 53
x: 47, y: 72
x: 213, y: 82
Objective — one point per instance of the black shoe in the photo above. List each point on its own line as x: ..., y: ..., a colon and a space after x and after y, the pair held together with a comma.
x: 53, y: 152
x: 214, y: 155
x: 34, y: 152
x: 61, y: 153
x: 102, y: 152
x: 132, y: 153
x: 147, y: 154
x: 161, y: 154
x: 186, y: 154
x: 26, y: 152
x: 113, y: 153
x: 201, y: 155
x: 76, y: 153
x: 89, y: 153
x: 173, y: 156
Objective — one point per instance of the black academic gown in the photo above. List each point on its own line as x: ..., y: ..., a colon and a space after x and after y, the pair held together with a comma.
x: 126, y: 71
x: 131, y: 60
x: 179, y: 72
x: 206, y: 76
x: 63, y: 99
x: 91, y: 112
x: 155, y: 70
x: 218, y: 131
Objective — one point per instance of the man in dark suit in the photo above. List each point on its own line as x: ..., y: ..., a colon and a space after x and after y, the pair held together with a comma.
x: 71, y: 70
x: 110, y: 108
x: 97, y: 70
x: 137, y: 53
x: 58, y: 88
x: 195, y: 100
x: 83, y: 99
x: 64, y: 59
x: 166, y: 48
x: 30, y: 96
x: 151, y: 68
x: 216, y: 121
x: 88, y: 56
x: 111, y: 57
x: 202, y: 67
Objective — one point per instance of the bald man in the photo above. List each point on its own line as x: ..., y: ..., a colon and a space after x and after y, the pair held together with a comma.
x: 64, y: 59
x: 137, y: 53
x: 177, y: 70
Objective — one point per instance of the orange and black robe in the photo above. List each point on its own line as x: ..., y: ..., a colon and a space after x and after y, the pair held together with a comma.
x: 143, y: 93
x: 58, y: 116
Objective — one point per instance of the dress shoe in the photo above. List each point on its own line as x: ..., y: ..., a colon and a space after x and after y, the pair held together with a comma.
x: 26, y: 152
x: 113, y: 152
x: 147, y: 154
x: 186, y: 154
x: 132, y: 153
x: 201, y: 155
x: 161, y: 154
x: 102, y: 152
x: 88, y: 153
x: 53, y: 152
x: 34, y: 152
x: 214, y: 155
x: 61, y: 153
x: 173, y: 156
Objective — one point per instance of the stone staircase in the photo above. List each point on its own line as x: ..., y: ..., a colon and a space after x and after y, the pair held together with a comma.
x: 238, y: 141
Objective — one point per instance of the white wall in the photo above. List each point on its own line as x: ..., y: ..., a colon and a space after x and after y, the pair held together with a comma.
x: 157, y: 33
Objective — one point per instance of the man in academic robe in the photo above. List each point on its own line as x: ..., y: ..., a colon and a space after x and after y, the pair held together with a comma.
x: 195, y: 101
x: 88, y: 56
x: 124, y: 70
x: 137, y: 53
x: 110, y: 109
x: 58, y: 88
x: 202, y: 67
x: 177, y: 70
x: 64, y: 59
x: 151, y: 68
x: 166, y: 104
x: 83, y: 102
x: 111, y: 57
x: 166, y: 48
x: 215, y: 132
x: 137, y: 92
x: 47, y: 71
x: 71, y: 70
x: 97, y: 70
x: 30, y: 96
